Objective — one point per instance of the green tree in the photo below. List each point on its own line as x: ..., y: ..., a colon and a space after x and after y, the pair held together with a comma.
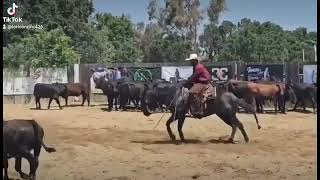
x: 71, y: 15
x: 216, y: 7
x: 94, y: 46
x: 46, y: 49
x: 120, y: 33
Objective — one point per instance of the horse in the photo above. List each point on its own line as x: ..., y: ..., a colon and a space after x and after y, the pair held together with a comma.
x: 224, y: 106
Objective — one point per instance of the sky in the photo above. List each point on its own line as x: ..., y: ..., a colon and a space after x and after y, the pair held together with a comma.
x: 290, y: 14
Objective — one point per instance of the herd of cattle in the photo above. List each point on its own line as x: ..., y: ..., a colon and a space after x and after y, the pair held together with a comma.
x: 22, y: 136
x: 124, y: 91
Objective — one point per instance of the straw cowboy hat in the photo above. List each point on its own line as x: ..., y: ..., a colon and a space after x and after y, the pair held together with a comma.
x: 194, y: 57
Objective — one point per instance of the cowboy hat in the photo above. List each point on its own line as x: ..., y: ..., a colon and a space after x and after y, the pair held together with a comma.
x: 193, y: 57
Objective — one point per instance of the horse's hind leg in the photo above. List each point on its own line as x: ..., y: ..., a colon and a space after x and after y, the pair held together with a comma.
x: 228, y: 119
x: 180, y: 125
x: 240, y: 126
x: 172, y: 136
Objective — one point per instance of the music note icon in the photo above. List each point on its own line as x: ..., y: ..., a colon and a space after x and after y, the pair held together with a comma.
x: 12, y: 10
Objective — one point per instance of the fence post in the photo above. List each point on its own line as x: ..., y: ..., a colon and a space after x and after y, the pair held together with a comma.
x: 76, y: 73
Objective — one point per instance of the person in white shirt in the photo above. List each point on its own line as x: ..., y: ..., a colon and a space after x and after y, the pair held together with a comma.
x: 266, y: 75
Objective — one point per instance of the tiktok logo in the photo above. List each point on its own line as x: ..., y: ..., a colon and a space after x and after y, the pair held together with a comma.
x: 12, y: 10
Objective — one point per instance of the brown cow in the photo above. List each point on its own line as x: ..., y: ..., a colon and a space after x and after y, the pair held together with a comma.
x: 251, y: 91
x: 287, y: 91
x: 77, y: 89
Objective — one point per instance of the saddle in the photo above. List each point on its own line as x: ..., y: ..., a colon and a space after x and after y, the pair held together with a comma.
x: 202, y: 93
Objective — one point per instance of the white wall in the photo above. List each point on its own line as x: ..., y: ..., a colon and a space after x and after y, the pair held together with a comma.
x: 17, y: 82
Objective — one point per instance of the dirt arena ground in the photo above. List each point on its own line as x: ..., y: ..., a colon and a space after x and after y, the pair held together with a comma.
x: 94, y: 144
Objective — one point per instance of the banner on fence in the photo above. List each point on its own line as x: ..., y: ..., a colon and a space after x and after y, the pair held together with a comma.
x: 18, y: 82
x: 264, y: 72
x: 144, y: 74
x: 310, y: 74
x: 220, y: 73
x: 173, y: 73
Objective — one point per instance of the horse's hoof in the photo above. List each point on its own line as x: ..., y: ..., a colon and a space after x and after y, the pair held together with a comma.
x: 247, y: 140
x: 259, y: 127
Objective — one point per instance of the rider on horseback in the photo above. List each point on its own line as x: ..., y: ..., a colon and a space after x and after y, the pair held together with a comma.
x: 201, y: 80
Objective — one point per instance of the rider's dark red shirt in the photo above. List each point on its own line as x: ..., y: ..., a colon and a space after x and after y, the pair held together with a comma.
x: 201, y: 74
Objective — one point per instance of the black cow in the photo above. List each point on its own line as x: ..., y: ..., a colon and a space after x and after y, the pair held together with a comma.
x: 52, y: 91
x: 19, y: 138
x: 162, y: 93
x: 132, y: 91
x: 304, y: 92
x: 110, y: 89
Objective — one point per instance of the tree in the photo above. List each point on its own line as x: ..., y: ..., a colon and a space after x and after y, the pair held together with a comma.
x: 121, y: 35
x: 46, y: 49
x: 94, y: 46
x: 71, y: 15
x: 181, y: 17
x: 216, y: 7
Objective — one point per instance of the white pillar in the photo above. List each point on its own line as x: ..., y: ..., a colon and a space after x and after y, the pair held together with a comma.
x: 302, y: 55
x: 76, y: 78
x: 76, y: 73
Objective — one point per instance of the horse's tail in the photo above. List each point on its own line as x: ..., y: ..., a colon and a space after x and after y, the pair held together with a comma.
x: 248, y: 108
